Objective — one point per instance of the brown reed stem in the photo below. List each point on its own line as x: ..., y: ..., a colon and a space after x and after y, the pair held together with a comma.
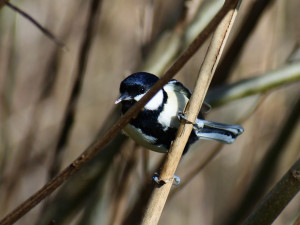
x: 161, y: 192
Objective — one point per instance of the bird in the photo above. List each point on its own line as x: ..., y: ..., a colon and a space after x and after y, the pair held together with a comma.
x: 156, y: 124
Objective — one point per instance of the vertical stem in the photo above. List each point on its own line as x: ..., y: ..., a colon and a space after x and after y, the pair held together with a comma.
x: 160, y: 194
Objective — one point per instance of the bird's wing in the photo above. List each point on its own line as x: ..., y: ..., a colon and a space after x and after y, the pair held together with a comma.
x: 179, y: 87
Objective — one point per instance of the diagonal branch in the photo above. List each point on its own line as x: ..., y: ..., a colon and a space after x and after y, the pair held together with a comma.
x: 254, y: 85
x: 277, y: 199
x: 2, y: 3
x: 254, y: 14
x: 35, y: 23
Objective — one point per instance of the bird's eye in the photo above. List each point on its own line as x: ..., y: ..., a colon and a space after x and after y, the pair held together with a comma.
x: 141, y: 90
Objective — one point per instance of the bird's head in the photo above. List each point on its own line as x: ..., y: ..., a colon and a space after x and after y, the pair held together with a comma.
x: 134, y: 87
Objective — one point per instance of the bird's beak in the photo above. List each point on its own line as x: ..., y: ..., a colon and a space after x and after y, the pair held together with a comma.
x: 123, y: 97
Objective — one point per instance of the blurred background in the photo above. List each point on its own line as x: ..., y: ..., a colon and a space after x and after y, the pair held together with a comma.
x: 56, y: 101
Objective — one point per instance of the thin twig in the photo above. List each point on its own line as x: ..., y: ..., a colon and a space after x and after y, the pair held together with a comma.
x: 297, y: 221
x: 91, y: 152
x: 259, y: 84
x: 2, y: 3
x: 35, y: 23
x: 160, y: 192
x: 171, y: 42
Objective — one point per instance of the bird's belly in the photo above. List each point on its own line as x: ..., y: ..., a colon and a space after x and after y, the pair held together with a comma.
x: 143, y: 139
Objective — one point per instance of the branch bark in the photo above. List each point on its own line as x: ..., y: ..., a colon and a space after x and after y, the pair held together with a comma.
x: 161, y: 192
x: 277, y: 199
x: 2, y: 3
x: 45, y: 31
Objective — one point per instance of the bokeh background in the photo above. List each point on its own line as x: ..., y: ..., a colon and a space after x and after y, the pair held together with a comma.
x: 55, y: 101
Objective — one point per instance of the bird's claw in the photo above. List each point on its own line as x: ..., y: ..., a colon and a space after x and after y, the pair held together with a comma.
x: 181, y: 116
x: 175, y: 180
x: 196, y: 125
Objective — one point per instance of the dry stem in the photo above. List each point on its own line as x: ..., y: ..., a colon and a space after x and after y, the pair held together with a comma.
x: 35, y: 23
x: 277, y: 199
x: 160, y: 193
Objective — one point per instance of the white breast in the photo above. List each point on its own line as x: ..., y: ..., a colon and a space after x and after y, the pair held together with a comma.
x: 143, y: 139
x: 175, y: 103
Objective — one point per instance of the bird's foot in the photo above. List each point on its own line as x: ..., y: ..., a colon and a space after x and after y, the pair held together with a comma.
x: 198, y: 124
x: 181, y: 116
x: 175, y: 180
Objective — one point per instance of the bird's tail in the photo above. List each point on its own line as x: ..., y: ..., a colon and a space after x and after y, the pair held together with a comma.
x: 221, y: 132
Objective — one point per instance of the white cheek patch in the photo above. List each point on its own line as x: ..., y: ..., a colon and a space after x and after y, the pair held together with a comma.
x: 138, y: 97
x: 175, y: 103
x: 156, y: 101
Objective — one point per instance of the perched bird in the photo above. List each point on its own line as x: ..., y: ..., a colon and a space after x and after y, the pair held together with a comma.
x: 155, y: 126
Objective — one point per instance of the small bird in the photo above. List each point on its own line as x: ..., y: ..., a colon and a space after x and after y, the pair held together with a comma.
x: 156, y: 124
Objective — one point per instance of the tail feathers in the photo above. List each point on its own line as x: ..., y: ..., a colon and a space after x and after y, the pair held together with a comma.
x: 221, y: 132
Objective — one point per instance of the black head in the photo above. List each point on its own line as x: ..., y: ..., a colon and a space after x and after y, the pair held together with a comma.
x: 135, y: 86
